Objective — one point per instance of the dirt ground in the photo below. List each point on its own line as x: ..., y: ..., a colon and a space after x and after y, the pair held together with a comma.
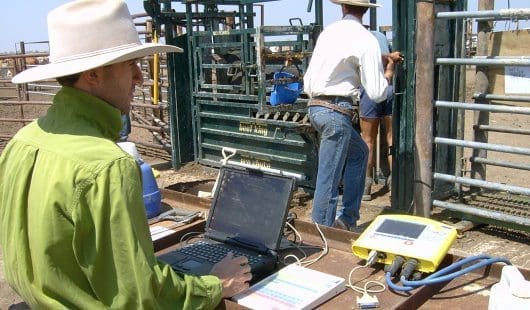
x: 514, y: 245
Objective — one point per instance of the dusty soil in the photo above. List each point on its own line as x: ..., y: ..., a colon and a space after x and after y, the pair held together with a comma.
x: 192, y: 177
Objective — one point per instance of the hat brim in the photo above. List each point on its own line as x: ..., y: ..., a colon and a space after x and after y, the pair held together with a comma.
x: 349, y: 2
x: 73, y: 66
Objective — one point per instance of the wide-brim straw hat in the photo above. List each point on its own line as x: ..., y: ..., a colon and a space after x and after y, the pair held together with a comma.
x: 365, y: 3
x: 86, y: 34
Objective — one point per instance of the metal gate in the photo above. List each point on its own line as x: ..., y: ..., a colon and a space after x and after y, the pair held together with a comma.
x: 481, y: 196
x: 230, y: 67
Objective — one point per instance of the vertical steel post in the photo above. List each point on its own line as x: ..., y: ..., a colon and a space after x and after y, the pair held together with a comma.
x: 403, y: 31
x: 319, y: 13
x: 423, y: 138
x: 373, y: 17
x: 461, y: 114
x: 478, y: 170
x: 22, y: 68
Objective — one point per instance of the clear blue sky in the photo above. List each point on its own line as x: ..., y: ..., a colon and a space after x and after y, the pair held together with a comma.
x: 25, y: 20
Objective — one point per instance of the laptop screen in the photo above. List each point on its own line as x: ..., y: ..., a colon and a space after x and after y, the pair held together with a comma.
x: 250, y: 205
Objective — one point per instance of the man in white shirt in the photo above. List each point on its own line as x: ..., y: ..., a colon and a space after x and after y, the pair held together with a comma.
x: 345, y: 57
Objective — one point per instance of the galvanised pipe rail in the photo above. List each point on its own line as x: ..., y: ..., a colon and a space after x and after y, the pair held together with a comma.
x: 31, y: 102
x: 493, y: 61
x: 501, y: 97
x: 44, y: 85
x: 23, y: 55
x: 504, y: 13
x: 483, y: 184
x: 482, y: 212
x: 40, y: 93
x: 482, y: 107
x: 500, y: 57
x: 499, y: 163
x: 502, y: 129
x: 16, y: 120
x: 484, y: 146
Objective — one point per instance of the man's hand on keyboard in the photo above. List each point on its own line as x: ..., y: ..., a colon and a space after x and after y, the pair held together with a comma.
x: 234, y: 273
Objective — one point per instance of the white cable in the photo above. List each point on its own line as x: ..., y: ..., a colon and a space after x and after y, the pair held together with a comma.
x: 324, y: 252
x: 295, y: 232
x: 189, y: 234
x: 365, y: 290
x: 297, y: 246
x: 298, y: 261
x: 302, y: 261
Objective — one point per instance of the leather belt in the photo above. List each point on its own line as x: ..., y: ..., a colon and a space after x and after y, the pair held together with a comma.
x: 330, y: 102
x: 327, y: 103
x: 335, y: 99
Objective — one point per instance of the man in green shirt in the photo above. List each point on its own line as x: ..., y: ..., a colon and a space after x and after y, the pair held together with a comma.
x: 73, y: 228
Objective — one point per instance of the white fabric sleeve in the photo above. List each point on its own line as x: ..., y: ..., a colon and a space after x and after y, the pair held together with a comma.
x: 371, y: 70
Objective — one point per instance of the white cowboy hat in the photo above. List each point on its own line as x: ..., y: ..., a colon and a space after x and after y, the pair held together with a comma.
x: 86, y: 34
x: 365, y: 3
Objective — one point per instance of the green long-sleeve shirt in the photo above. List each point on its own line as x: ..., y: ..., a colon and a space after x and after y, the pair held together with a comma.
x: 73, y: 227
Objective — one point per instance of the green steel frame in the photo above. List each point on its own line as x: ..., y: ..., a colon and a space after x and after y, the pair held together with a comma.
x: 448, y: 44
x: 223, y: 82
x: 404, y: 16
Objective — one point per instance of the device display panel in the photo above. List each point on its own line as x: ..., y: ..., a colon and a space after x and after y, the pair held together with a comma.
x: 399, y: 228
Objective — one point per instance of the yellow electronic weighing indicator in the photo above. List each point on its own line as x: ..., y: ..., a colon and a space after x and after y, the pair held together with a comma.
x: 408, y: 236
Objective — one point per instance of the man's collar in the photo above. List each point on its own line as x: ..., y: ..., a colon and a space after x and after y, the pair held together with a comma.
x: 103, y: 115
x: 351, y: 17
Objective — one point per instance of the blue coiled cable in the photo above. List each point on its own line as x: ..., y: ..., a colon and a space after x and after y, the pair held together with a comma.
x: 442, y: 274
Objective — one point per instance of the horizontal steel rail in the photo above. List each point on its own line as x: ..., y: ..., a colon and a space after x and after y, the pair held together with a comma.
x: 498, y: 14
x: 503, y: 129
x: 219, y: 45
x: 221, y: 66
x: 16, y: 120
x: 8, y: 56
x: 242, y: 135
x: 483, y: 184
x: 159, y: 106
x: 203, y: 94
x: 44, y: 85
x: 223, y: 33
x: 268, y: 156
x: 499, y: 163
x: 21, y: 102
x: 484, y: 146
x: 494, y: 61
x: 501, y: 97
x: 249, y: 119
x: 501, y: 57
x: 482, y: 107
x: 482, y: 212
x: 253, y: 106
x: 220, y: 86
x: 40, y: 93
x: 297, y: 176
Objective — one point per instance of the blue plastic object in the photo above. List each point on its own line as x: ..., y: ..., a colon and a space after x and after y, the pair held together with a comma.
x: 285, y: 93
x: 444, y: 275
x: 150, y: 191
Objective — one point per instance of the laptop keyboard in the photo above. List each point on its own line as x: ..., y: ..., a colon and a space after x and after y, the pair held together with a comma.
x: 214, y: 252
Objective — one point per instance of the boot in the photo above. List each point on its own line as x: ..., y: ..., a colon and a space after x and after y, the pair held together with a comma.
x: 367, y: 194
x: 389, y: 183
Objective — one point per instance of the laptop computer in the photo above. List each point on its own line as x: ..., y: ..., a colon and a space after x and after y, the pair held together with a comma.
x: 246, y: 217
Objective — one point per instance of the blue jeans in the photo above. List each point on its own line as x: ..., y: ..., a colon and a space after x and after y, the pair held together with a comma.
x: 375, y: 110
x: 342, y: 153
